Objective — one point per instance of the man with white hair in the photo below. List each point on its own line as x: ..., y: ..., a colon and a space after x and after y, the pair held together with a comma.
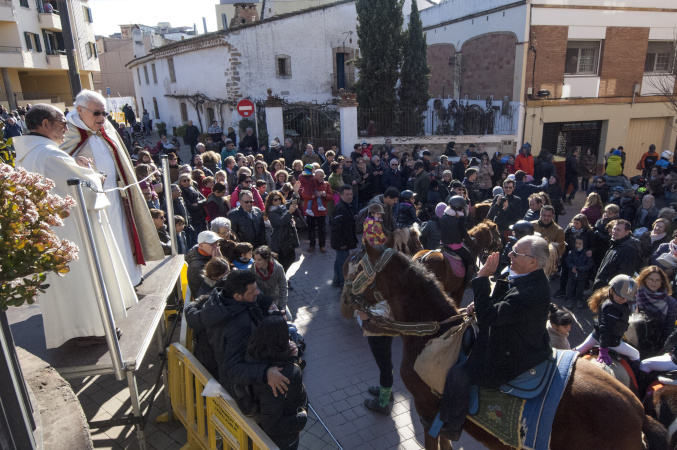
x: 512, y: 334
x: 93, y: 138
x: 69, y: 309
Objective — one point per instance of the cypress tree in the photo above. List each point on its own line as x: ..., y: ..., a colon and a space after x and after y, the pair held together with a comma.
x: 379, y: 33
x: 414, y: 79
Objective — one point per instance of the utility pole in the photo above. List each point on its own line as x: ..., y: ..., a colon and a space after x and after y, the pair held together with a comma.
x: 69, y: 43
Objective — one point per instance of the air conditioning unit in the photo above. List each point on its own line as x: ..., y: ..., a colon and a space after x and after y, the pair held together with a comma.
x: 507, y: 146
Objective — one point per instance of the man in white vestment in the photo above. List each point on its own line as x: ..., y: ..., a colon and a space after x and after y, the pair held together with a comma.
x: 91, y: 136
x: 69, y: 307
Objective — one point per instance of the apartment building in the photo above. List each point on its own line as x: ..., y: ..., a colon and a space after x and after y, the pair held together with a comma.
x: 33, y: 59
x: 587, y: 73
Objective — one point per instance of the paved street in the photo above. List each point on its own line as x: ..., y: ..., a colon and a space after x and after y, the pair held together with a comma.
x: 339, y: 370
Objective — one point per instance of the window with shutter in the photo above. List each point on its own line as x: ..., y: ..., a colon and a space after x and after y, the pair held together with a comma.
x: 88, y: 50
x: 89, y: 15
x: 38, y: 46
x: 29, y: 41
x: 95, y: 50
x: 145, y: 74
x: 138, y: 73
x: 49, y: 49
x: 172, y: 73
x: 152, y: 66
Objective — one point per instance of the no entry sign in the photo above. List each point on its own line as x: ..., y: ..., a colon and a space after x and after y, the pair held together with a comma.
x: 245, y: 108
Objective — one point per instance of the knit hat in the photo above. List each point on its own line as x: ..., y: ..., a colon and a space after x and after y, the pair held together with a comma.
x: 498, y: 190
x: 308, y: 169
x: 439, y: 209
x: 616, y: 152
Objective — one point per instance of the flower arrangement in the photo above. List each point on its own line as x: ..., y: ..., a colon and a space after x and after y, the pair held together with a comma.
x: 28, y: 247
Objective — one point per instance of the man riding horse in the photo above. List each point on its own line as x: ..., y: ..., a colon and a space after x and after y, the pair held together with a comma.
x: 454, y: 234
x: 512, y: 330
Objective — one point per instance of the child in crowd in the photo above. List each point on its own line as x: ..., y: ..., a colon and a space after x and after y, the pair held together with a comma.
x: 308, y: 184
x: 611, y: 305
x: 579, y: 265
x: 159, y: 221
x: 282, y: 417
x: 179, y: 225
x: 559, y: 326
x: 221, y: 177
x: 406, y: 216
x: 511, y: 165
x: 207, y: 185
x: 454, y: 233
x: 373, y: 226
x: 242, y: 256
x: 261, y: 186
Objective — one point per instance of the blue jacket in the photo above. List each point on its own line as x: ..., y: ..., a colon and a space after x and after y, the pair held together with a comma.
x: 523, y: 190
x: 582, y: 263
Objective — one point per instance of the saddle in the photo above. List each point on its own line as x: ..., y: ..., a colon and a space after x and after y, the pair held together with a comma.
x: 455, y: 261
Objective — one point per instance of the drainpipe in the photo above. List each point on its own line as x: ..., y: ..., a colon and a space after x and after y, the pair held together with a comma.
x: 69, y: 43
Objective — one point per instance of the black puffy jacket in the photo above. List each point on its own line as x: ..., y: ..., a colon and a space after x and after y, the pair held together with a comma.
x: 198, y: 215
x: 611, y: 324
x: 203, y: 351
x: 343, y: 227
x: 623, y: 258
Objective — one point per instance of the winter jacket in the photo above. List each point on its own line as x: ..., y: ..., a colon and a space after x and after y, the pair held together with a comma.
x: 393, y: 178
x: 593, y: 214
x: 613, y: 166
x: 195, y: 202
x: 658, y: 304
x: 249, y: 141
x: 406, y: 216
x: 505, y: 218
x: 373, y: 232
x: 431, y: 235
x: 582, y: 263
x: 544, y: 169
x: 229, y: 325
x: 532, y: 215
x: 623, y: 257
x: 388, y: 220
x: 649, y: 219
x: 553, y: 233
x: 235, y: 197
x: 310, y: 159
x: 248, y: 229
x: 611, y: 323
x: 267, y: 177
x: 485, y: 174
x: 283, y: 417
x: 343, y: 236
x: 571, y: 168
x: 196, y: 263
x: 202, y: 350
x: 291, y: 154
x: 306, y: 196
x: 525, y: 163
x: 165, y: 240
x: 458, y: 170
x: 588, y: 166
x: 453, y: 230
x: 523, y: 190
x: 275, y: 286
x: 421, y: 185
x: 216, y: 207
x: 284, y: 237
x: 512, y: 328
x: 558, y: 340
x: 629, y: 207
x: 497, y: 167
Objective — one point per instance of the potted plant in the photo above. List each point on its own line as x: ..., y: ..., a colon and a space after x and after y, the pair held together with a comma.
x: 29, y: 249
x: 161, y: 128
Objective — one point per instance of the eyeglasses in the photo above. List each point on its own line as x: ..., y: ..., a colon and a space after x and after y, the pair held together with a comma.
x: 277, y: 199
x: 96, y: 113
x: 520, y: 254
x: 246, y: 202
x: 249, y: 180
x: 348, y: 162
x: 599, y: 181
x: 508, y: 187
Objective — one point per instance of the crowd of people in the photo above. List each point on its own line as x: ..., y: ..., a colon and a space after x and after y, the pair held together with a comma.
x: 239, y: 207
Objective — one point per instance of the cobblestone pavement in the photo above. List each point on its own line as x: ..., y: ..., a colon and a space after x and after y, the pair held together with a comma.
x: 339, y: 370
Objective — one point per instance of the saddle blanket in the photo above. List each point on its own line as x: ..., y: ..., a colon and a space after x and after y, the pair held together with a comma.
x: 521, y: 423
x: 456, y: 264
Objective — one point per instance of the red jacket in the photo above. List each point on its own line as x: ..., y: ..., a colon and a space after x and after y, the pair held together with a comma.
x: 324, y: 187
x: 525, y: 163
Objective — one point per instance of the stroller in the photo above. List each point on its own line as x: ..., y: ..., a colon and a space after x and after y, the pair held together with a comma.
x: 137, y: 132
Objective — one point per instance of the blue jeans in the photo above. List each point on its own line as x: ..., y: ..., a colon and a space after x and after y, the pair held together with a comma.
x: 341, y: 257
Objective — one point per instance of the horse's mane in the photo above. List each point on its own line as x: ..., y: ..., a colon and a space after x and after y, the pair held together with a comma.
x: 412, y: 276
x: 486, y: 224
x: 401, y: 237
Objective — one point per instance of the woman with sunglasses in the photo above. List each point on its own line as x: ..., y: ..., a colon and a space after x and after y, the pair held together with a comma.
x: 284, y: 237
x: 261, y: 173
x: 195, y: 203
x: 246, y: 182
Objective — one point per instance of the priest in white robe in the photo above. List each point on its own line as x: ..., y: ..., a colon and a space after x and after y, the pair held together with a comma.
x: 69, y: 307
x: 90, y: 135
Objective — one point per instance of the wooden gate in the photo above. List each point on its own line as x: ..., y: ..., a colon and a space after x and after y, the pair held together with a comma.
x: 641, y: 134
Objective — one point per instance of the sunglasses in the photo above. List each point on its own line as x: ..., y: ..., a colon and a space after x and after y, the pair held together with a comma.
x: 96, y: 113
x: 348, y: 162
x: 248, y: 180
x: 521, y: 254
x: 246, y: 202
x: 277, y: 199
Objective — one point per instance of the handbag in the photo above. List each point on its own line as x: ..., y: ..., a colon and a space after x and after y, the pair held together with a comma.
x: 439, y: 355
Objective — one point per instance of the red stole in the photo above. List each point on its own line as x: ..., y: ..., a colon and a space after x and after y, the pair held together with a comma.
x: 127, y: 202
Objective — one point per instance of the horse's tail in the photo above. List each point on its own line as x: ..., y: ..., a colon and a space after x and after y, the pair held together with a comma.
x: 655, y: 435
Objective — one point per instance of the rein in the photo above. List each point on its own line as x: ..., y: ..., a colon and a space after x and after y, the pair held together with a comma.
x: 367, y: 279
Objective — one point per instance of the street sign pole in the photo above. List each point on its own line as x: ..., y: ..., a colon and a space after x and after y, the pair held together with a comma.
x: 256, y: 123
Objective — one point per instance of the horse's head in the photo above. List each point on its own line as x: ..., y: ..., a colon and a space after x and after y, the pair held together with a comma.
x: 487, y: 236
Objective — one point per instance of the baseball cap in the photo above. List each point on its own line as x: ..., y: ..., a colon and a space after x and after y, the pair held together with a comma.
x: 624, y: 286
x: 208, y: 237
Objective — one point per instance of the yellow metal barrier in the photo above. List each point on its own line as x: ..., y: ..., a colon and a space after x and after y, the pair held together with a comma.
x: 211, y: 422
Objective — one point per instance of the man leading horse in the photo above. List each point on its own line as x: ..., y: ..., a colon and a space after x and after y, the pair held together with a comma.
x: 512, y: 330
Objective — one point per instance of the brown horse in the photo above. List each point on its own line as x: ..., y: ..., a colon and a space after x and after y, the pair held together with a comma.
x: 595, y: 411
x: 487, y: 239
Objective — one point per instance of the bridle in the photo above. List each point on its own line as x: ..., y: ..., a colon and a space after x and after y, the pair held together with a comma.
x: 366, y: 279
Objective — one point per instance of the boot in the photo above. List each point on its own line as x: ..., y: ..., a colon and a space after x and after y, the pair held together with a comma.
x: 376, y: 392
x: 374, y: 405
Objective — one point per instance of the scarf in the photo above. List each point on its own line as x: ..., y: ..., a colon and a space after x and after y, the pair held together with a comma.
x: 653, y: 303
x: 657, y: 237
x: 270, y: 271
x: 450, y: 212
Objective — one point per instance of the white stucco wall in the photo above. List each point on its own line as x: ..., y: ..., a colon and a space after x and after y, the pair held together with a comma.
x: 308, y: 39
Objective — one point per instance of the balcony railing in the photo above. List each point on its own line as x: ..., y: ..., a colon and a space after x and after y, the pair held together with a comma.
x: 53, y: 97
x: 6, y: 49
x: 342, y: 80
